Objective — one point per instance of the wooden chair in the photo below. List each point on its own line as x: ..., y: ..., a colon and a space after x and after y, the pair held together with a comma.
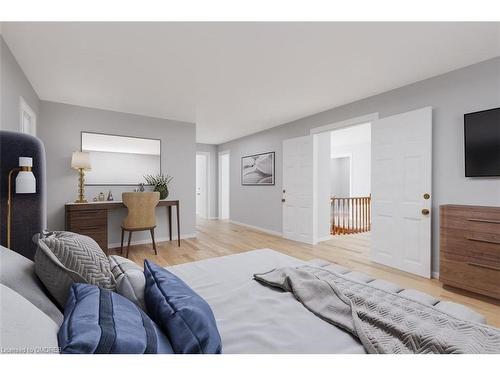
x: 141, y: 215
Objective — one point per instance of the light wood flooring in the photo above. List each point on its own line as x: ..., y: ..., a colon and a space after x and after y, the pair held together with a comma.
x: 217, y: 238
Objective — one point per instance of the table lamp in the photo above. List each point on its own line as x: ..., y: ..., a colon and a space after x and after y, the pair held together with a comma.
x: 25, y: 184
x: 81, y: 161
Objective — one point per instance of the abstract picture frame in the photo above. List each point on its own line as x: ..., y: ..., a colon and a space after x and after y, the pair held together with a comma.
x: 258, y: 169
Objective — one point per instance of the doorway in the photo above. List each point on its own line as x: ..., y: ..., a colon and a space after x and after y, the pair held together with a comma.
x: 350, y: 179
x: 202, y: 184
x: 224, y: 158
x: 396, y: 188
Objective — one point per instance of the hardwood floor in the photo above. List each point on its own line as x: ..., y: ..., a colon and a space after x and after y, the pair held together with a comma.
x: 217, y: 238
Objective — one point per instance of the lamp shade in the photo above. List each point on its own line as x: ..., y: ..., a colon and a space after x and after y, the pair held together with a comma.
x: 25, y: 180
x: 80, y: 160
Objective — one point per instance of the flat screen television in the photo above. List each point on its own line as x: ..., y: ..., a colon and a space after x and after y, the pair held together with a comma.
x: 482, y: 143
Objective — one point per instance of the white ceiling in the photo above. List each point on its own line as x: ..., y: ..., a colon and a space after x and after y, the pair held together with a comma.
x: 235, y: 79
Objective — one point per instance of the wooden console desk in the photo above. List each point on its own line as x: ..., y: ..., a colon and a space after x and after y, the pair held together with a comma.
x: 91, y: 219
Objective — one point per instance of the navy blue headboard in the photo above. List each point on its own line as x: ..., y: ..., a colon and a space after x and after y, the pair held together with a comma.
x: 28, y: 210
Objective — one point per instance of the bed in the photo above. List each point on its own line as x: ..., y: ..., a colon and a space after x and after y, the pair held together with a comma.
x: 257, y: 318
x: 251, y: 317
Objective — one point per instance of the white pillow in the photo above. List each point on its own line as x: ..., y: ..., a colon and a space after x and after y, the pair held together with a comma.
x: 130, y: 280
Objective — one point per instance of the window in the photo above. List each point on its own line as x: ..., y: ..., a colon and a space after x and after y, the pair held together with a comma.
x: 27, y: 118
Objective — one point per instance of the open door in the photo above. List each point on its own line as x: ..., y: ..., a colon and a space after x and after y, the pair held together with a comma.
x: 202, y: 185
x: 299, y: 216
x: 401, y: 191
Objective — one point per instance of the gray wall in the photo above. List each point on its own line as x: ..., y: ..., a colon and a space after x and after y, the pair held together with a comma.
x: 473, y: 88
x: 13, y: 85
x: 213, y: 166
x: 60, y: 127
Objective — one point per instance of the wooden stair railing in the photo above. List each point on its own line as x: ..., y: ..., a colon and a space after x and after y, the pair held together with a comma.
x: 350, y: 215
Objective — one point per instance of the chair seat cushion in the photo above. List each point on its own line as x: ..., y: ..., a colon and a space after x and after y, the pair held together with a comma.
x: 100, y: 321
x: 183, y: 315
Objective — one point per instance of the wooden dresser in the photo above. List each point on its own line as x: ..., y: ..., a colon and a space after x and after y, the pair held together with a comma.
x: 470, y: 248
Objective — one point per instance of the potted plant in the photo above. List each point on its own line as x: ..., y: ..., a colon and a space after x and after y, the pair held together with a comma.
x: 159, y: 183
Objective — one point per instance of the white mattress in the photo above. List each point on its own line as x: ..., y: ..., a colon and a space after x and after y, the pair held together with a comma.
x: 255, y: 319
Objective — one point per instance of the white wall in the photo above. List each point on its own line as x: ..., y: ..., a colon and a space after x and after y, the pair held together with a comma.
x: 340, y: 177
x: 355, y: 141
x: 13, y: 85
x: 60, y: 126
x: 469, y: 89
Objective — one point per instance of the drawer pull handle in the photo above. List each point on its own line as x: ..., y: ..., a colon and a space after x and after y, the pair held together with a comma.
x: 484, y: 266
x: 485, y: 221
x: 482, y: 240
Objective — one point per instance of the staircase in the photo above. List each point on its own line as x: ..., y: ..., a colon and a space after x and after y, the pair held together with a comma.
x: 350, y: 215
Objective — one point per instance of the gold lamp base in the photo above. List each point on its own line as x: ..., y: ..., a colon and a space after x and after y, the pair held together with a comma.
x: 81, y: 187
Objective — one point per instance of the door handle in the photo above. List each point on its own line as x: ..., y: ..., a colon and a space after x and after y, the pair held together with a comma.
x: 425, y: 211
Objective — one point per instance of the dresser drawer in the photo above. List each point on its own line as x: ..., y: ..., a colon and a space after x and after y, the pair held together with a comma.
x: 475, y: 276
x: 473, y: 245
x: 484, y: 219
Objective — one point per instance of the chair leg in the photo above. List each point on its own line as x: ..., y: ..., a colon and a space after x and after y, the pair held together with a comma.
x: 121, y: 247
x: 128, y: 246
x: 152, y: 230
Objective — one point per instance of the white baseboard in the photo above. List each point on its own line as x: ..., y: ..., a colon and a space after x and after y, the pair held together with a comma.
x: 268, y: 231
x: 325, y: 238
x: 147, y: 240
x: 435, y: 275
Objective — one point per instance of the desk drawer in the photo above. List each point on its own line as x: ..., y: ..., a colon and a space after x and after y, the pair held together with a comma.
x: 92, y: 223
x: 88, y: 219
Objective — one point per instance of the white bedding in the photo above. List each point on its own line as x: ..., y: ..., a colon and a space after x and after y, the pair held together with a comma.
x: 254, y: 319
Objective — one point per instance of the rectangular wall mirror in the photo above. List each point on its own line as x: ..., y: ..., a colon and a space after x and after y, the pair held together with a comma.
x: 120, y: 160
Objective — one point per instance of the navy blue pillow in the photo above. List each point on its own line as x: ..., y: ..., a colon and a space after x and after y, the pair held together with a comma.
x: 183, y: 315
x: 103, y: 322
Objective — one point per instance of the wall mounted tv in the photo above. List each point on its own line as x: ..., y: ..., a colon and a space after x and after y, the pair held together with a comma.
x: 482, y: 143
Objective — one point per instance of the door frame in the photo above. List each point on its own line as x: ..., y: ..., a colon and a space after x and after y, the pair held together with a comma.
x: 207, y: 205
x: 219, y: 163
x: 368, y: 118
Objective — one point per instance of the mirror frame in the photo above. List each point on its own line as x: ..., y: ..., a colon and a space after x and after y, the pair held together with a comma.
x: 124, y: 136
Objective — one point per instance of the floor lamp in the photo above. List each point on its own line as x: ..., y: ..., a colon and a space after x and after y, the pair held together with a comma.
x: 25, y: 184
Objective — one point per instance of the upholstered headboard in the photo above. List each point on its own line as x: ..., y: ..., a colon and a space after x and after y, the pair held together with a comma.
x: 28, y: 210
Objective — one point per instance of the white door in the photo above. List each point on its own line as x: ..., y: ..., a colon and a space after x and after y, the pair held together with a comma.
x: 298, y: 189
x: 223, y: 185
x: 401, y: 191
x: 27, y: 118
x: 201, y: 185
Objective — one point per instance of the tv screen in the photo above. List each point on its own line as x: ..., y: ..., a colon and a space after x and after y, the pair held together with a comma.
x: 482, y: 143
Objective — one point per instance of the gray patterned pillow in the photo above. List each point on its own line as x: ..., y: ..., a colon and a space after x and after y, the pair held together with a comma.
x: 64, y: 258
x: 130, y: 280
